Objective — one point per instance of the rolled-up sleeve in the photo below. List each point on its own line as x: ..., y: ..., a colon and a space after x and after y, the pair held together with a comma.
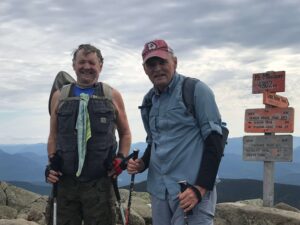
x: 206, y: 110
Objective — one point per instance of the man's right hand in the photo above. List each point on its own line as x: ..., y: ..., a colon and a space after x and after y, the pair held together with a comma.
x: 53, y: 170
x: 52, y: 176
x: 135, y: 166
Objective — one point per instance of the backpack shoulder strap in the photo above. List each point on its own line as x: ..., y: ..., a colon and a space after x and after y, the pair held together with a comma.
x: 147, y: 102
x: 64, y: 94
x: 145, y: 111
x: 65, y: 91
x: 188, y: 90
x: 107, y: 91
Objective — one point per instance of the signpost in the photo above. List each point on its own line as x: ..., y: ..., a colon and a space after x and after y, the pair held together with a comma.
x: 269, y: 81
x: 275, y: 117
x: 275, y: 100
x: 269, y: 120
x: 277, y: 148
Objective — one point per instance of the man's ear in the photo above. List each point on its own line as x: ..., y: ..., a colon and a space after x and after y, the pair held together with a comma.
x: 145, y: 69
x: 175, y: 62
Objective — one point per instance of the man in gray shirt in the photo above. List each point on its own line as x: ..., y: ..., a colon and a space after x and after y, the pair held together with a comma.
x: 180, y: 146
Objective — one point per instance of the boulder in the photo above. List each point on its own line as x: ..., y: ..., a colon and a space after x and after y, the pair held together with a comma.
x: 287, y: 207
x: 16, y: 222
x: 21, y: 207
x: 240, y: 213
x: 17, y: 198
x: 7, y: 212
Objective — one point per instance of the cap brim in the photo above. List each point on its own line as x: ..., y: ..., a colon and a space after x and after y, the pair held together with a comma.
x: 158, y: 53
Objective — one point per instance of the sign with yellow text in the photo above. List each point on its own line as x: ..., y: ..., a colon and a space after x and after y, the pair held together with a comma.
x: 268, y: 81
x: 269, y: 120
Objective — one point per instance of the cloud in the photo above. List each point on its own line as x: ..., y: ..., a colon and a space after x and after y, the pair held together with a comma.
x: 220, y: 42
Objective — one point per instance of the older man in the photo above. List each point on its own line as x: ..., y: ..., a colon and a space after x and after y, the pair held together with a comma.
x: 180, y: 146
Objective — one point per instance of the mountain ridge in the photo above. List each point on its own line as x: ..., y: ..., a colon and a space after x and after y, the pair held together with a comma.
x: 27, y: 163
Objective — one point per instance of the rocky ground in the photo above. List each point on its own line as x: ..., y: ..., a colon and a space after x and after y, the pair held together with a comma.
x: 21, y: 207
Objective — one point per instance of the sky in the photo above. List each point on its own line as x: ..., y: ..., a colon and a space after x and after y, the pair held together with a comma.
x: 219, y: 42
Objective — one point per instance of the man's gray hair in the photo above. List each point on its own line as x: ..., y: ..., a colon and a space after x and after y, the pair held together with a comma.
x: 88, y: 48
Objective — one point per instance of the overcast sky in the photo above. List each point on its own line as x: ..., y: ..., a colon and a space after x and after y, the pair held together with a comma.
x: 220, y: 42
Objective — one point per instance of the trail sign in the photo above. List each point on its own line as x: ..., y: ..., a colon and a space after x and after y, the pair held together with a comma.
x: 275, y: 100
x: 269, y: 120
x: 277, y: 148
x: 268, y: 81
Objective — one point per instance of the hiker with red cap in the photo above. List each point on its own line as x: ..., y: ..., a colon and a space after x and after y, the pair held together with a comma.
x: 184, y: 146
x: 83, y: 150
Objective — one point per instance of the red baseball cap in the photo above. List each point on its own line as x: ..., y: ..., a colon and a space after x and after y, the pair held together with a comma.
x: 156, y: 48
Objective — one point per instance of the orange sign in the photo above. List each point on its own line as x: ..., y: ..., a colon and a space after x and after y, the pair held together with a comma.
x: 275, y: 100
x: 269, y: 81
x: 269, y: 120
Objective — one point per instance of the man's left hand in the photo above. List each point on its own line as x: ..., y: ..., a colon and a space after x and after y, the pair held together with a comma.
x: 189, y: 199
x: 117, y: 170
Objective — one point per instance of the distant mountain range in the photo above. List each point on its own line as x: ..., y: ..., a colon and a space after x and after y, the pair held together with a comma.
x: 26, y: 163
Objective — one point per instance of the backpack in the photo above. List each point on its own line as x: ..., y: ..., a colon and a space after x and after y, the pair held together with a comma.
x: 61, y: 79
x: 188, y: 90
x: 63, y: 82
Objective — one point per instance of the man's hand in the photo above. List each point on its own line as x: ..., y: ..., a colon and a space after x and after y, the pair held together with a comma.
x: 117, y: 167
x: 51, y: 175
x: 191, y: 197
x: 53, y: 170
x: 135, y: 166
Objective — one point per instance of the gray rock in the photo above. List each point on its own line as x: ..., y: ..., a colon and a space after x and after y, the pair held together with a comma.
x: 7, y: 212
x: 253, y: 202
x: 16, y: 222
x: 142, y: 208
x: 136, y: 219
x: 287, y: 207
x: 247, y: 214
x: 20, y: 207
x: 2, y: 196
x: 16, y: 197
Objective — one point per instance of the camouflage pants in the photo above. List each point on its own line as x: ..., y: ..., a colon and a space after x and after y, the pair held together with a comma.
x: 90, y: 202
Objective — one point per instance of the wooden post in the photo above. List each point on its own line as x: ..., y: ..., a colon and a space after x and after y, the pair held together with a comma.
x: 268, y: 184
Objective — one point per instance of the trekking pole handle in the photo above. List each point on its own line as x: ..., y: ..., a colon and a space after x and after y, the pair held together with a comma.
x: 183, y: 186
x: 135, y: 153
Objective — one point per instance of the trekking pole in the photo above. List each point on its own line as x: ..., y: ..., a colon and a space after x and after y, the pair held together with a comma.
x: 55, y: 204
x: 183, y: 187
x: 135, y: 156
x: 117, y: 193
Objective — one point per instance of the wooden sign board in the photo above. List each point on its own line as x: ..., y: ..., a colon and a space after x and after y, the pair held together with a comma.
x: 275, y: 100
x: 277, y: 148
x: 269, y: 120
x: 269, y: 81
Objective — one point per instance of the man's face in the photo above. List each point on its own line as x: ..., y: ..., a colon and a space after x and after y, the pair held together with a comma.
x: 160, y: 71
x: 87, y: 68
